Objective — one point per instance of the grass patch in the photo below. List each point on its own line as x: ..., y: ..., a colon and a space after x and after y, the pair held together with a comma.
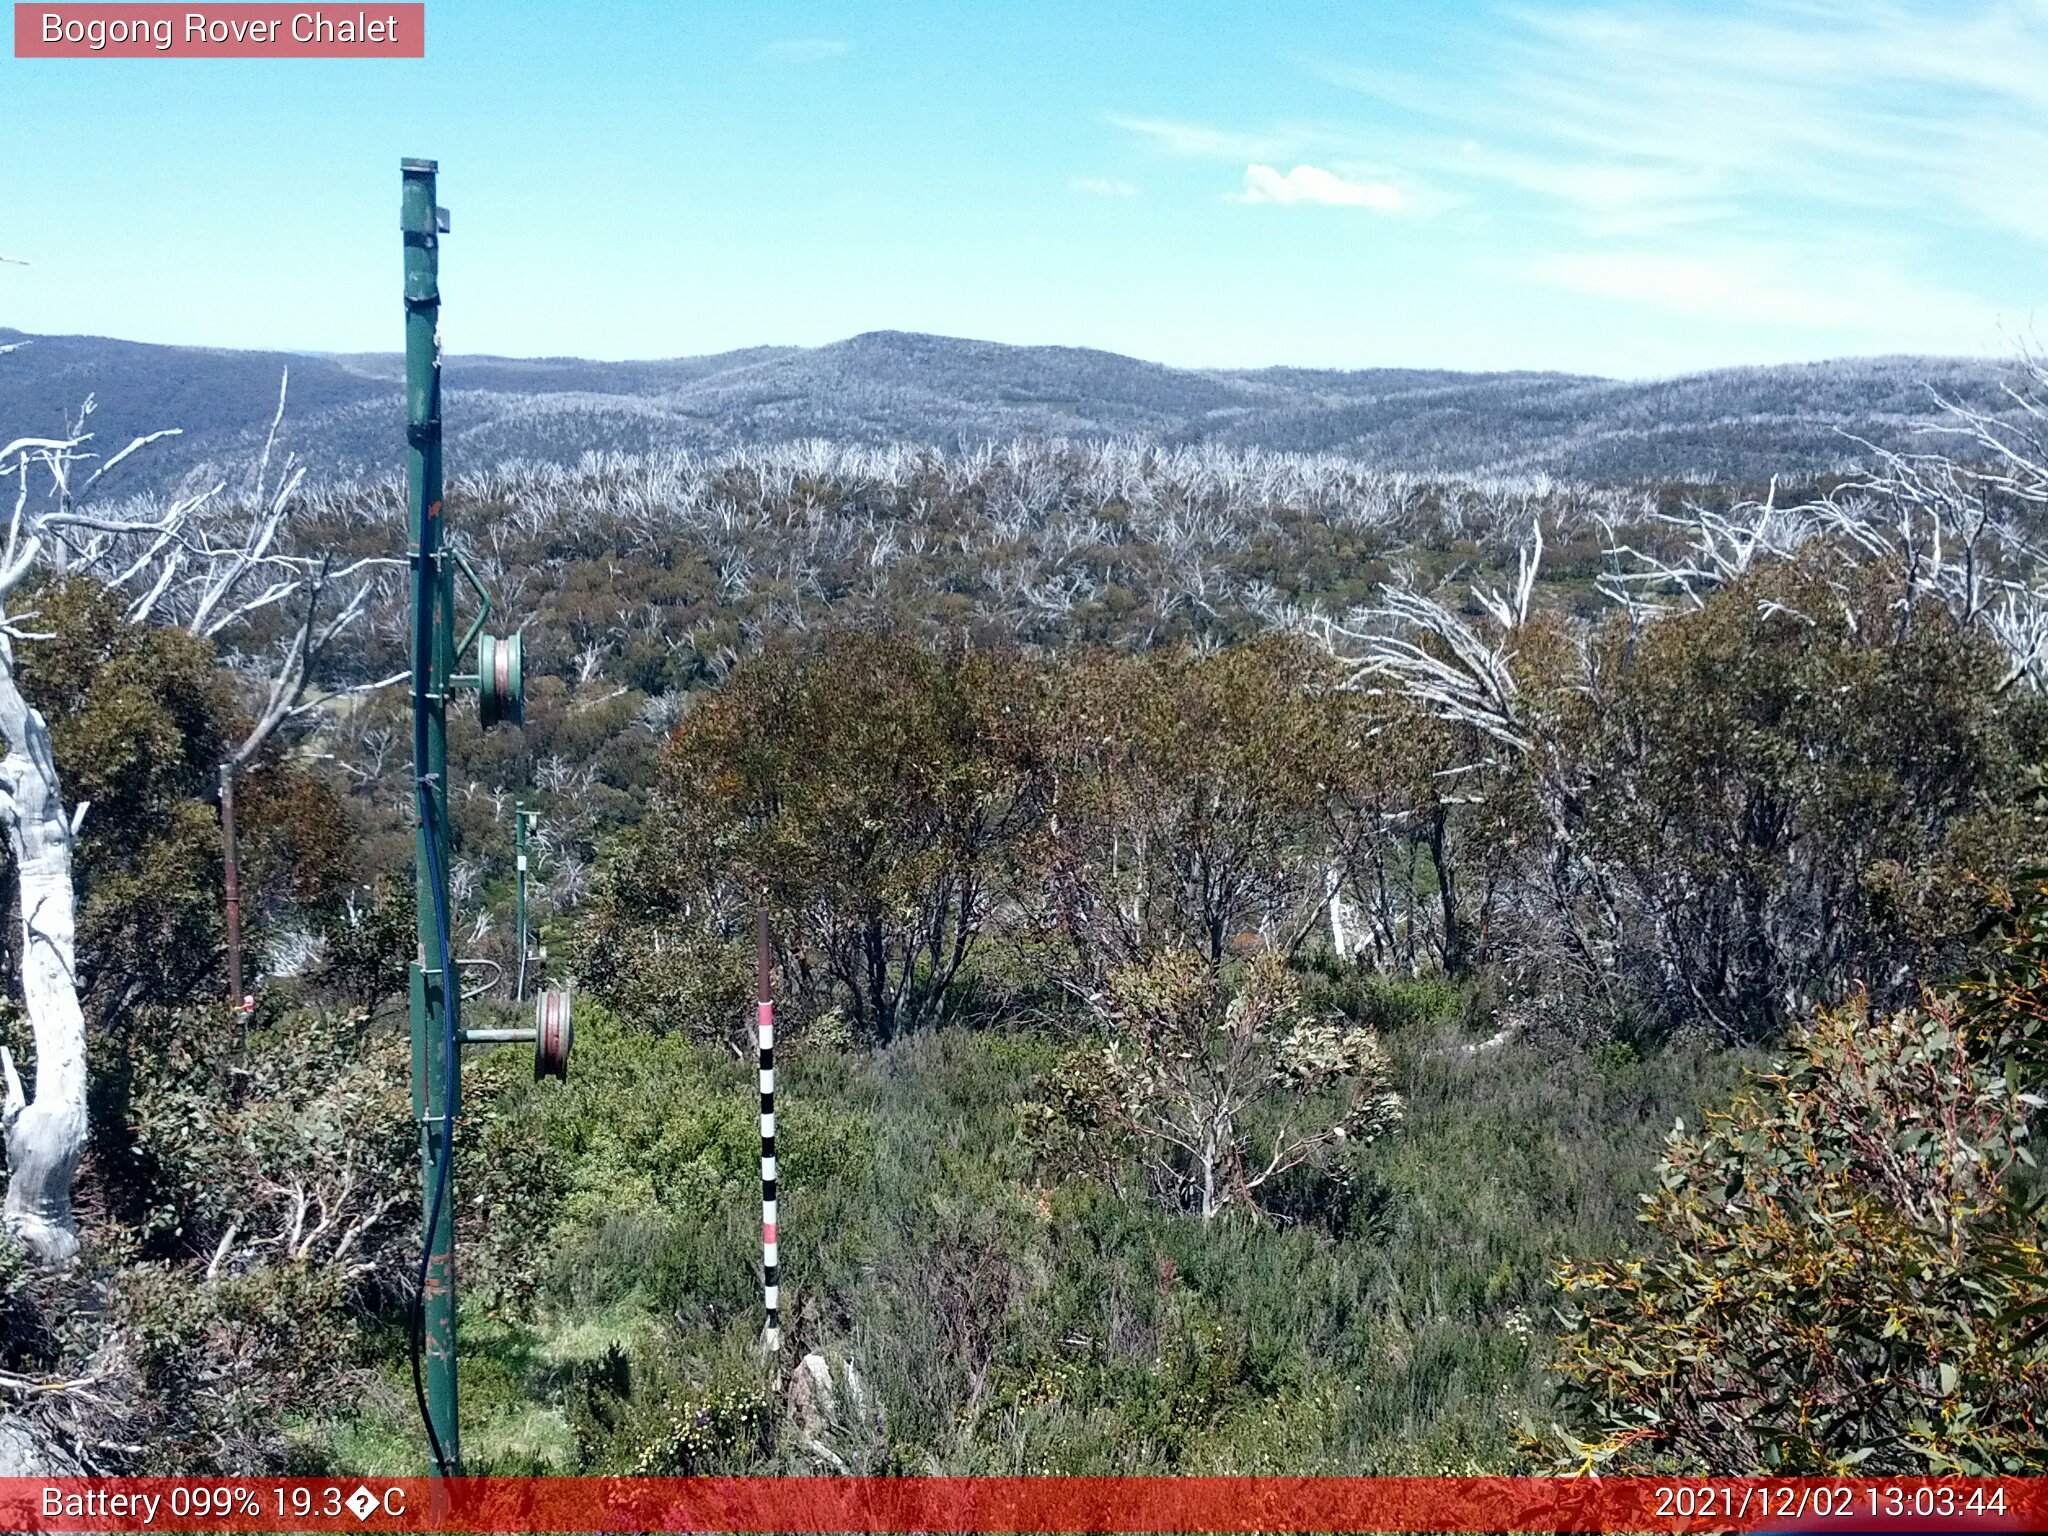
x: 1004, y: 1322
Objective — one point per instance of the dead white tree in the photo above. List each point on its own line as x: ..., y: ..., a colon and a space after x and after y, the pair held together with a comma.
x: 1463, y: 673
x: 228, y: 564
x: 45, y: 1133
x: 177, y: 562
x: 1720, y: 547
x: 1955, y: 526
x: 235, y: 570
x: 1460, y: 672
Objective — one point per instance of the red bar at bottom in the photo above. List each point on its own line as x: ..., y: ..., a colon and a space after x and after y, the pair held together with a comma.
x: 1021, y: 1504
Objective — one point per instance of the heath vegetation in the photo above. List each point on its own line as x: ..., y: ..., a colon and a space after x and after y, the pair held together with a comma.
x: 1280, y: 967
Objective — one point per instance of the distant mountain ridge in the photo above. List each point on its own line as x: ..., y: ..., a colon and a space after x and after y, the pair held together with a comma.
x: 344, y: 416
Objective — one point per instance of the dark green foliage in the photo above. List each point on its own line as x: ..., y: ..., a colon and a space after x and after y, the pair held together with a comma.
x: 1848, y: 1263
x: 227, y: 1365
x: 46, y: 1320
x: 1731, y: 816
x: 852, y: 784
x: 889, y: 801
x: 312, y: 1110
x: 1777, y: 802
x: 993, y: 813
x: 263, y: 1214
x: 298, y: 846
x: 670, y: 976
x: 1192, y: 802
x: 649, y: 1132
x: 2005, y: 1004
x: 371, y: 936
x: 139, y: 719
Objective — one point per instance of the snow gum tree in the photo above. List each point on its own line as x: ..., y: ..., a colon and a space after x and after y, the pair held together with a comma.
x: 1226, y: 1079
x: 45, y: 1134
x: 195, y: 563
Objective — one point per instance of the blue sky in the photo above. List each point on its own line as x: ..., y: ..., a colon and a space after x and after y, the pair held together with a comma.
x: 1632, y: 187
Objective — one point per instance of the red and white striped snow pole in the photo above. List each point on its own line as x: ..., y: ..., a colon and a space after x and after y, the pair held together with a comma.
x: 771, y: 1339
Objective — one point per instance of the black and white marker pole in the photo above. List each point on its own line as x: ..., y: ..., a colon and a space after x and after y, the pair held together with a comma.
x: 771, y: 1338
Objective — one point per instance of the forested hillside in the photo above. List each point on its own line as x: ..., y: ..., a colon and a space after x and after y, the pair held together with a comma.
x: 1736, y: 425
x: 1282, y: 966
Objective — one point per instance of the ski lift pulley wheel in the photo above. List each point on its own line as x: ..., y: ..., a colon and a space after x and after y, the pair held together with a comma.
x: 501, y: 684
x: 553, y: 1033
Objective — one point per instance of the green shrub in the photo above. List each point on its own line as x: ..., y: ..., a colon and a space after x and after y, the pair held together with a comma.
x: 1842, y: 1278
x: 1780, y: 799
x: 226, y: 1365
x: 1011, y: 1313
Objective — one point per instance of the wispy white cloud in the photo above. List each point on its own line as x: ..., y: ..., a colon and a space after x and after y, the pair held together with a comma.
x: 1202, y: 142
x: 1352, y: 183
x: 1748, y: 286
x: 1312, y: 184
x: 1837, y: 168
x: 1104, y: 186
x: 806, y: 50
x: 1646, y: 113
x: 1814, y: 164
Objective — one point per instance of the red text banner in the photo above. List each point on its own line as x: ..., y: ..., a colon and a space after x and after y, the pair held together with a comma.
x: 231, y: 31
x: 1038, y: 1504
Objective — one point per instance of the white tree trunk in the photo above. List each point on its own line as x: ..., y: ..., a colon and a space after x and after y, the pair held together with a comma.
x: 1342, y: 943
x: 1218, y: 1132
x: 46, y: 1134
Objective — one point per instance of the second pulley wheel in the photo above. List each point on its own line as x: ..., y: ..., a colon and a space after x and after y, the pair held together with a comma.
x: 501, y: 684
x: 553, y: 1033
